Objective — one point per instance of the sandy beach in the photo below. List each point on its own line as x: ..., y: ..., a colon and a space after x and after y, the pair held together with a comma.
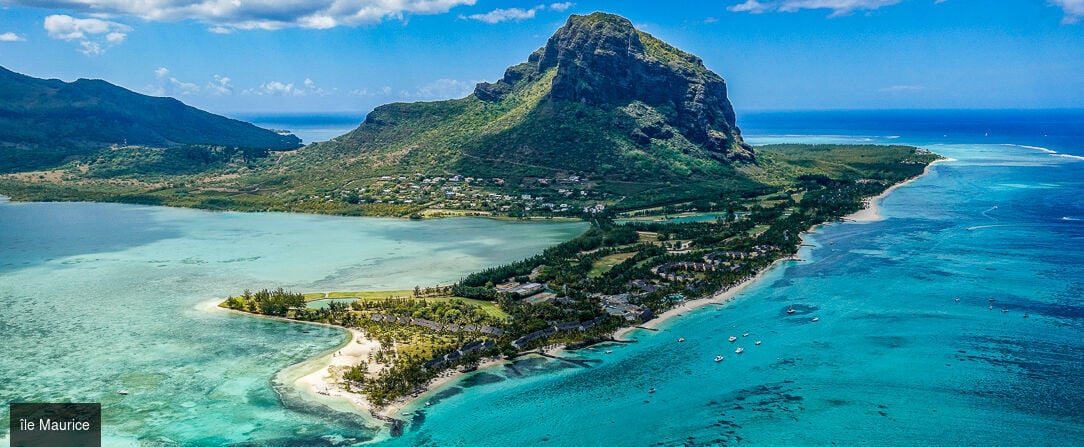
x: 322, y: 377
x: 720, y: 297
x: 872, y: 210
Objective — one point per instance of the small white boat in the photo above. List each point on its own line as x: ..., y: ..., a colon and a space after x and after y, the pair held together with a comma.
x: 718, y: 358
x: 745, y: 334
x: 123, y: 392
x: 682, y: 339
x: 816, y: 319
x: 790, y: 311
x: 732, y: 338
x: 429, y: 404
x: 739, y: 350
x: 757, y: 343
x: 1004, y: 310
x: 957, y: 300
x: 609, y: 351
x: 652, y: 390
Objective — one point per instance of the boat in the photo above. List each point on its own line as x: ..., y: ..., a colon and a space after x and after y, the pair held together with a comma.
x: 745, y: 334
x: 991, y: 300
x: 123, y: 392
x: 732, y: 338
x: 957, y: 300
x: 429, y: 404
x: 609, y: 351
x: 652, y: 390
x: 682, y: 339
x: 1025, y: 315
x: 790, y: 311
x: 815, y: 319
x: 1004, y: 310
x: 757, y: 343
x: 739, y: 350
x: 718, y: 358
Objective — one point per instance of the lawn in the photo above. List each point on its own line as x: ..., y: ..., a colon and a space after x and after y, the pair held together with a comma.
x: 604, y: 265
x: 489, y: 307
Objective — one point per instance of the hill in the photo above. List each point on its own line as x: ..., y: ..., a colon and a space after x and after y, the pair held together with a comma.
x: 44, y: 122
x: 601, y: 100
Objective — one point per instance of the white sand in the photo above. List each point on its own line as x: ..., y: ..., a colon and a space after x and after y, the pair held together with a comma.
x: 872, y: 210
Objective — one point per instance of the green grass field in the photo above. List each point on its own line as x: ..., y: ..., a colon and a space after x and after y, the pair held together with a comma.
x: 608, y: 262
x: 490, y: 308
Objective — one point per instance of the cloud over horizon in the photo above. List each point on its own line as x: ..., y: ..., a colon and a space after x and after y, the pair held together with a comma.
x: 1074, y: 10
x: 11, y: 37
x: 224, y: 15
x: 838, y: 7
x: 517, y: 14
x: 94, y: 35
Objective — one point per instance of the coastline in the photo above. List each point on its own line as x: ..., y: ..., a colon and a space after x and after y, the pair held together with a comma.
x: 317, y: 379
x: 720, y: 297
x: 871, y: 212
x: 321, y: 378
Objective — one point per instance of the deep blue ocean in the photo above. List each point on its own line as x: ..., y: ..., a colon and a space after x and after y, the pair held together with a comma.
x: 311, y: 128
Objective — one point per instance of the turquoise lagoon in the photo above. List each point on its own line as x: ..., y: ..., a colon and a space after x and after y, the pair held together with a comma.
x: 96, y: 298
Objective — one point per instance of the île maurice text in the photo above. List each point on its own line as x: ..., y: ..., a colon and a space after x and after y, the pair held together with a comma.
x: 54, y: 425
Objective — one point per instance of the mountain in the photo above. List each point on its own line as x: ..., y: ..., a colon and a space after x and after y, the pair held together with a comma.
x: 43, y: 122
x: 600, y: 99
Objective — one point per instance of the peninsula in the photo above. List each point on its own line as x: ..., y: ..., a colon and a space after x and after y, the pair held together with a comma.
x: 604, y: 123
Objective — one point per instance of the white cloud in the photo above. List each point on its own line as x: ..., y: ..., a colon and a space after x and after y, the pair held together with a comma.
x: 1074, y: 10
x: 279, y: 88
x: 171, y: 86
x: 11, y: 37
x: 94, y: 35
x: 504, y: 15
x: 221, y: 86
x: 838, y: 7
x: 440, y: 89
x: 226, y: 15
x: 561, y: 6
x: 752, y: 6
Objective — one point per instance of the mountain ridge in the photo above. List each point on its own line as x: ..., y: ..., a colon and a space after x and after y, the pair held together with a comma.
x: 600, y: 98
x: 46, y: 121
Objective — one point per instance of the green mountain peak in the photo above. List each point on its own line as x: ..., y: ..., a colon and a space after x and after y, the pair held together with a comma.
x: 601, y: 98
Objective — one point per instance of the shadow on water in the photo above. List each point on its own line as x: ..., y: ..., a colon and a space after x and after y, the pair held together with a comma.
x: 31, y: 233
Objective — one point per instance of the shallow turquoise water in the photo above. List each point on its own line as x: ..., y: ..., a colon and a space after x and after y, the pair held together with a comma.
x: 95, y: 298
x: 893, y: 360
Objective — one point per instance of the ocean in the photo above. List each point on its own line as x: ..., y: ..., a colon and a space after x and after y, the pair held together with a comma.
x: 894, y: 358
x: 310, y: 128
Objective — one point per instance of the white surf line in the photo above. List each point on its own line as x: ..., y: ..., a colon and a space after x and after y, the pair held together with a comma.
x: 1048, y: 151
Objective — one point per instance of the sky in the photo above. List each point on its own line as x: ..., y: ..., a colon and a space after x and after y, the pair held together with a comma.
x: 326, y: 56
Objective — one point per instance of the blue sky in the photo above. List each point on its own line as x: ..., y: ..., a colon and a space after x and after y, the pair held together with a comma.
x: 293, y: 56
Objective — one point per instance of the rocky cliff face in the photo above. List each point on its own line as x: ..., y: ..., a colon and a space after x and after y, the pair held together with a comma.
x: 602, y: 60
